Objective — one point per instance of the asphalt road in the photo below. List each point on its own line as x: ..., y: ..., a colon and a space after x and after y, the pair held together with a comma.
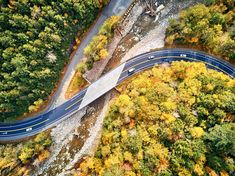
x: 115, y: 7
x: 32, y: 126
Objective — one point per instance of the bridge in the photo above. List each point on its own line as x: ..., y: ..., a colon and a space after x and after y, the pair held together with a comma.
x: 34, y: 125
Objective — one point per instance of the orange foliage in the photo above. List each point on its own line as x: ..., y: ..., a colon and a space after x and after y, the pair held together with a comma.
x: 44, y: 155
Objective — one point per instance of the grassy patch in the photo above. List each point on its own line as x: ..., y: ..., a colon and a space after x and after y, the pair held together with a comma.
x: 77, y: 83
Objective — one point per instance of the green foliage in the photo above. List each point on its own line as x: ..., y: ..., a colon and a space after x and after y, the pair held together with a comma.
x: 34, y: 37
x: 209, y: 2
x: 176, y: 120
x: 211, y: 27
x: 222, y: 139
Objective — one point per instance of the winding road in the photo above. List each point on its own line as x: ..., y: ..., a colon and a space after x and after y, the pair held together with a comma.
x: 113, y: 8
x: 32, y: 126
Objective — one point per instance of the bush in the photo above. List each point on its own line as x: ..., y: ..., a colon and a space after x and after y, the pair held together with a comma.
x: 221, y: 139
x: 97, y: 48
x: 207, y: 26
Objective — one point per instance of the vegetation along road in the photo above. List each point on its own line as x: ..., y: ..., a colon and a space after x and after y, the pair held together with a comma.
x: 29, y: 127
x: 113, y: 8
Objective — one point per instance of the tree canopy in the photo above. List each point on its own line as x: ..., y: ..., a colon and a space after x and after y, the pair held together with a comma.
x: 34, y: 38
x: 16, y: 159
x: 212, y: 27
x: 175, y: 120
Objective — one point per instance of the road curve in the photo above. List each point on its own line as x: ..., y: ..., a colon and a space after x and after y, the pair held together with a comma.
x: 113, y: 8
x: 32, y: 126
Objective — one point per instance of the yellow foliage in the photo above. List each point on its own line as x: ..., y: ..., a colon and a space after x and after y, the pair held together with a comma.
x: 186, y: 97
x: 130, y: 173
x: 103, y: 53
x: 124, y: 103
x: 4, y: 163
x: 135, y: 92
x: 105, y: 150
x: 124, y: 133
x: 193, y: 86
x: 140, y: 155
x: 184, y: 69
x: 157, y: 149
x: 23, y: 171
x: 139, y: 83
x: 88, y: 163
x: 169, y: 106
x: 144, y: 135
x: 202, y: 160
x: 37, y: 104
x: 184, y: 172
x: 131, y: 113
x: 168, y: 118
x: 170, y: 39
x: 153, y: 130
x: 231, y: 83
x: 140, y: 122
x: 109, y: 26
x: 209, y: 87
x: 98, y: 165
x: 77, y: 40
x: 128, y: 156
x: 224, y: 173
x: 41, y: 137
x: 107, y: 138
x: 160, y: 151
x: 102, y: 41
x: 219, y: 75
x: 26, y: 154
x: 162, y: 165
x: 136, y: 165
x: 196, y: 132
x: 198, y: 169
x: 112, y: 160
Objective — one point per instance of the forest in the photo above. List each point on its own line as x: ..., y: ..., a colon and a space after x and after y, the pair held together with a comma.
x: 209, y: 26
x: 176, y: 119
x: 35, y: 36
x: 18, y: 159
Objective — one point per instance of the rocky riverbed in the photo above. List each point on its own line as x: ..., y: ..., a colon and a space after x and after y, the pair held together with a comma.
x: 78, y: 135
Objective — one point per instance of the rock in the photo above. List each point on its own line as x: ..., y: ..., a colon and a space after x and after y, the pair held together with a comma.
x: 136, y: 38
x: 194, y: 112
x: 122, y: 48
x: 174, y: 84
x: 148, y: 12
x: 156, y: 3
x: 156, y: 18
x: 176, y: 114
x: 160, y: 8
